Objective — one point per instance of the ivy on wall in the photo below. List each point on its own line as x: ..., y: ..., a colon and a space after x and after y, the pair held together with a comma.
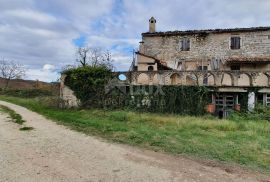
x: 190, y: 100
x: 87, y: 82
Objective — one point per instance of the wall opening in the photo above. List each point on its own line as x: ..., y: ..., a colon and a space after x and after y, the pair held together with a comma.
x: 150, y: 68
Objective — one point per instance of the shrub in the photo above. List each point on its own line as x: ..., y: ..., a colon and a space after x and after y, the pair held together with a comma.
x: 88, y: 83
x: 260, y: 113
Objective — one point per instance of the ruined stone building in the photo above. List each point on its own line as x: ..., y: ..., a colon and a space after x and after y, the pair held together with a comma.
x: 232, y: 60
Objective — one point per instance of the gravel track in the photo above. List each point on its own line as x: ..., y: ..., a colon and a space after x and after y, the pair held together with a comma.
x: 53, y: 152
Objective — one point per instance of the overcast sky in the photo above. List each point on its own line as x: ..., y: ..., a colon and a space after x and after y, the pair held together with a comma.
x: 43, y: 34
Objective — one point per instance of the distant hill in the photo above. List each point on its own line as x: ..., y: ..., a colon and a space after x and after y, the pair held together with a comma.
x: 19, y: 84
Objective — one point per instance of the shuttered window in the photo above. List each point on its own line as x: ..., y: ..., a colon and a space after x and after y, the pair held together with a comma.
x: 185, y: 44
x: 235, y: 42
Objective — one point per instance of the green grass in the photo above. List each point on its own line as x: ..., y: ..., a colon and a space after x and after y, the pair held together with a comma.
x: 236, y: 141
x: 16, y: 118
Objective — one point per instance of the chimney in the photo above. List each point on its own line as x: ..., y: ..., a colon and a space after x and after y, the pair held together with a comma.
x: 152, y: 25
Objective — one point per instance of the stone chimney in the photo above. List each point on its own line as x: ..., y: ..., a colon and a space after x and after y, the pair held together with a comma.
x: 152, y: 25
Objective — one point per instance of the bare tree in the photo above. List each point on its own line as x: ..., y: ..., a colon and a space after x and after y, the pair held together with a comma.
x: 107, y: 60
x: 94, y: 56
x: 82, y: 54
x: 10, y: 70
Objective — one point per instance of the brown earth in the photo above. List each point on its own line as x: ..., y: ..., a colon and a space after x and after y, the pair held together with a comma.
x: 52, y: 152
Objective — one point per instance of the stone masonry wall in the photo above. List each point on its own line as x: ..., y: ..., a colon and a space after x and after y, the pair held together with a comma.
x: 203, y: 49
x: 67, y: 95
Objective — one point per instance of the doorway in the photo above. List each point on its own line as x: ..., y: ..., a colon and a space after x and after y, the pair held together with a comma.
x: 225, y: 104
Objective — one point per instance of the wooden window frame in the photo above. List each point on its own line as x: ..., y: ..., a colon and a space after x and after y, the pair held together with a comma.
x: 235, y: 43
x: 185, y: 44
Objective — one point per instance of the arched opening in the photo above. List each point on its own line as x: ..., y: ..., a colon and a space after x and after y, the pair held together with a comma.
x: 150, y: 68
x: 243, y: 80
x: 143, y: 79
x: 226, y: 79
x: 261, y: 80
x: 122, y: 77
x: 191, y: 79
x: 210, y: 79
x: 175, y: 79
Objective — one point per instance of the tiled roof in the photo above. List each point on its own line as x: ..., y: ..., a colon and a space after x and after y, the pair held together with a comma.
x: 207, y: 31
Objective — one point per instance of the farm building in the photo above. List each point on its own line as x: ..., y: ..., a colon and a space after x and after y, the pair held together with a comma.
x: 233, y: 61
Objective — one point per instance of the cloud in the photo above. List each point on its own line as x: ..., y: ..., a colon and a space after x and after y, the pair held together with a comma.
x: 42, y: 75
x: 29, y: 15
x: 34, y: 32
x: 39, y: 33
x: 48, y: 67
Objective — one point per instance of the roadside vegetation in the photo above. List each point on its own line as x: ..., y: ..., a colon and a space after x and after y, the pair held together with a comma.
x: 16, y: 118
x: 242, y: 139
x: 26, y: 128
x: 26, y: 93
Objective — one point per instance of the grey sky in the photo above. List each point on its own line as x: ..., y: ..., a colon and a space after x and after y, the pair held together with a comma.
x: 41, y: 34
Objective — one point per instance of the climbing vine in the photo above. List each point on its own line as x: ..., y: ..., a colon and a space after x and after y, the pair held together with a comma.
x: 190, y: 100
x: 89, y: 86
x: 88, y: 83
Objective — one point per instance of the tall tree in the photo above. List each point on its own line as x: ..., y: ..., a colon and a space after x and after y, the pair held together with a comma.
x: 94, y: 56
x: 10, y: 70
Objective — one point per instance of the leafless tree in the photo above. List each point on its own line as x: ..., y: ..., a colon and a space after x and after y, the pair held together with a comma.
x: 10, y: 70
x: 107, y: 60
x: 94, y: 56
x: 82, y: 54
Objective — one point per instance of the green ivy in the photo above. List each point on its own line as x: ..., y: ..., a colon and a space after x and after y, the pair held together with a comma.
x: 190, y: 100
x: 88, y: 82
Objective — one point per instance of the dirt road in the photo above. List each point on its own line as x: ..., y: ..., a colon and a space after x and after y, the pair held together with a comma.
x: 52, y: 152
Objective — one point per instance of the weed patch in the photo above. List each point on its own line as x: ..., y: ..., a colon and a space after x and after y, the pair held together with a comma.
x: 26, y: 128
x: 16, y: 118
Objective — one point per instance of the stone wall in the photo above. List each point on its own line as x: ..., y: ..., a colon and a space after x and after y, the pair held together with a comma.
x: 204, y: 48
x: 67, y: 95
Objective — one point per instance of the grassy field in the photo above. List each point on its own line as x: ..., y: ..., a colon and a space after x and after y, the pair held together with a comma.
x: 239, y: 141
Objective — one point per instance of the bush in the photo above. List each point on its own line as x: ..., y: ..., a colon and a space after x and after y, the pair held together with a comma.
x: 88, y: 82
x: 260, y: 113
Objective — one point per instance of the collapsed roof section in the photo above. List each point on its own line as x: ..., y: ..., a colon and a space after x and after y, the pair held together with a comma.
x: 161, y: 65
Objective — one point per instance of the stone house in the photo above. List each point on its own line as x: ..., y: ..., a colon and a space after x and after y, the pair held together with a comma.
x: 233, y: 61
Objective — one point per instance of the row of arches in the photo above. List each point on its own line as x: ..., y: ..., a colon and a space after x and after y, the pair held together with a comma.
x: 224, y: 79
